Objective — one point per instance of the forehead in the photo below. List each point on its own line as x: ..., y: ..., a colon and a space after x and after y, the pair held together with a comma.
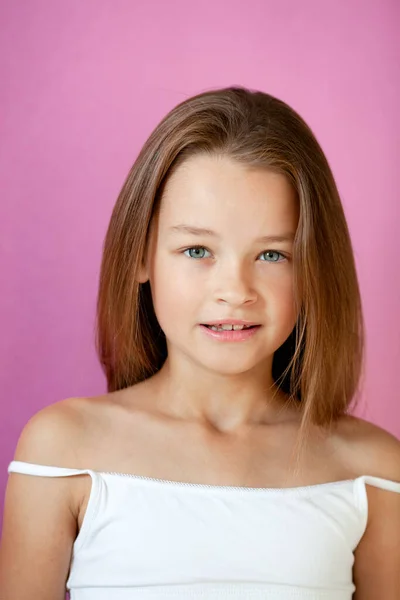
x: 208, y: 190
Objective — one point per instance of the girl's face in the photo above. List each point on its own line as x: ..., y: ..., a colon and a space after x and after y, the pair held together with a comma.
x: 207, y: 262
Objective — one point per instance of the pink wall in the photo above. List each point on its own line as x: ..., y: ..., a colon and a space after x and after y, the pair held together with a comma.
x: 84, y: 82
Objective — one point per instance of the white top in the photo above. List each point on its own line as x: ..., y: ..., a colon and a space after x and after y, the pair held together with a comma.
x: 150, y: 538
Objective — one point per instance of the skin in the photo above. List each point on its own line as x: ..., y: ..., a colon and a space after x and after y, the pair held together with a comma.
x: 212, y: 414
x: 234, y: 275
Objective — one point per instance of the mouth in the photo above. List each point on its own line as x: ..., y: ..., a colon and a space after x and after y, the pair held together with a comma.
x: 232, y: 330
x: 228, y: 327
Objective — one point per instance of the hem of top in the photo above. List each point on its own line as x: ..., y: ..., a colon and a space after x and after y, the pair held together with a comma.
x: 231, y: 589
x: 315, y: 487
x: 304, y: 489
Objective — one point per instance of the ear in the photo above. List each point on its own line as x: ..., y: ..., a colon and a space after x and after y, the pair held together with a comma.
x: 142, y: 274
x: 143, y: 271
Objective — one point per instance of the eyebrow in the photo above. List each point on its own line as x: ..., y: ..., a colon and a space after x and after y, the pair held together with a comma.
x: 199, y: 231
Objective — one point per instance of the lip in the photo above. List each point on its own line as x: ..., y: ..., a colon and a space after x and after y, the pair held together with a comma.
x: 230, y: 322
x: 231, y: 335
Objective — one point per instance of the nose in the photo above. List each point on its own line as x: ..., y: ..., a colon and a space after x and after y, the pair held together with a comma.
x: 234, y: 287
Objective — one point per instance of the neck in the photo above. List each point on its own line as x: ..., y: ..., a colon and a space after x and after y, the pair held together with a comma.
x: 227, y: 403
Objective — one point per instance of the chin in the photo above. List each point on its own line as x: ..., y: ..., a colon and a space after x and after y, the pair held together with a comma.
x: 229, y: 368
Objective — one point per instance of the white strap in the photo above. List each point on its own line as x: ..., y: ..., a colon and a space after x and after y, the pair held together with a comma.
x: 26, y: 468
x: 361, y: 497
x: 92, y: 508
x: 384, y: 484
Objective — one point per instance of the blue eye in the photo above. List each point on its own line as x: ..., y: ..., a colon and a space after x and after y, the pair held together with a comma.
x: 195, y: 252
x: 273, y: 252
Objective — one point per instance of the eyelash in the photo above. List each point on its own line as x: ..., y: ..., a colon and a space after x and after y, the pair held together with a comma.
x: 204, y: 248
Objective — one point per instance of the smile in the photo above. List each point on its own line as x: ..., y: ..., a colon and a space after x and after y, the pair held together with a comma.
x: 230, y: 333
x: 229, y: 327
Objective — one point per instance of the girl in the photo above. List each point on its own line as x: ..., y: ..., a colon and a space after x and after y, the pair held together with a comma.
x: 223, y: 462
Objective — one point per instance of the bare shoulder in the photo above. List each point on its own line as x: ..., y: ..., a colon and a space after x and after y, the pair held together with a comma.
x: 50, y: 435
x: 376, y: 452
x: 41, y: 514
x: 369, y: 449
x: 67, y: 433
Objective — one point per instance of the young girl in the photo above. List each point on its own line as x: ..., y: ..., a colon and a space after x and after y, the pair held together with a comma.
x: 223, y: 462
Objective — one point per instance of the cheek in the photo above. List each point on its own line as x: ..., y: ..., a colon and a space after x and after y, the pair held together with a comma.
x: 173, y: 294
x: 281, y: 300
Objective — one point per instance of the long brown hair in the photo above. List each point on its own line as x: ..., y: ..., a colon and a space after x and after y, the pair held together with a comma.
x: 321, y: 363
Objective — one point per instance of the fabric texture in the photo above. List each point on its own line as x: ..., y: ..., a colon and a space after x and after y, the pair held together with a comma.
x: 152, y: 538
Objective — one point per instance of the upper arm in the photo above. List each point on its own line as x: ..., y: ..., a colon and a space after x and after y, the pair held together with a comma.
x: 40, y: 524
x: 377, y: 557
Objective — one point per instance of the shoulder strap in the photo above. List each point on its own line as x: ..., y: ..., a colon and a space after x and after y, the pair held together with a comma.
x: 96, y: 492
x: 360, y: 492
x: 26, y: 468
x: 384, y: 484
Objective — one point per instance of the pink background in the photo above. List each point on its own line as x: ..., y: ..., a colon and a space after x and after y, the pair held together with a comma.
x: 84, y: 82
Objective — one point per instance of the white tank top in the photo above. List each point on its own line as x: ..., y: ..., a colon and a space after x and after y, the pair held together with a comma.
x: 145, y: 538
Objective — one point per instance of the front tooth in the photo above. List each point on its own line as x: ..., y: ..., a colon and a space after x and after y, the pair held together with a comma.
x: 236, y: 327
x: 226, y: 326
